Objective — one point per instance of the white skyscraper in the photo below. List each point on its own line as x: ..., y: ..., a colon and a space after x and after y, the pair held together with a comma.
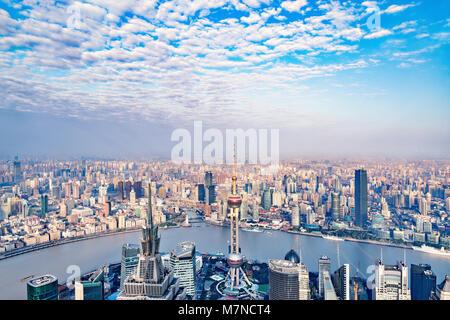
x: 391, y: 282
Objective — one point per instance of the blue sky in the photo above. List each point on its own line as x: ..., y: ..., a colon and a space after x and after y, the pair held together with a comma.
x: 326, y: 73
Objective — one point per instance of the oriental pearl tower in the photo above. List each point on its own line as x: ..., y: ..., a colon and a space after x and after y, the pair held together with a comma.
x: 236, y: 278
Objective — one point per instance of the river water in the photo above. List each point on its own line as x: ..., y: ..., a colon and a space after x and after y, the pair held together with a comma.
x: 90, y: 254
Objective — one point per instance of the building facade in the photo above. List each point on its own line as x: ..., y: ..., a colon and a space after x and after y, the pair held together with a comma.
x: 182, y: 262
x: 43, y: 288
x: 391, y: 282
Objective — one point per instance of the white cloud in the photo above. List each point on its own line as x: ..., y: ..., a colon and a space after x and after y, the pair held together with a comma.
x: 397, y: 8
x: 293, y: 6
x: 378, y: 34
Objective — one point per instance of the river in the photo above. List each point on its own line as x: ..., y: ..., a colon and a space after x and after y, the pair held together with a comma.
x: 92, y: 253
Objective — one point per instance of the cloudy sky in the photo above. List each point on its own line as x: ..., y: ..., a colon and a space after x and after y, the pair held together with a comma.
x: 115, y: 78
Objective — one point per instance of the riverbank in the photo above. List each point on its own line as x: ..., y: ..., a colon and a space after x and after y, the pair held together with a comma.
x: 37, y: 247
x: 27, y: 249
x: 310, y: 234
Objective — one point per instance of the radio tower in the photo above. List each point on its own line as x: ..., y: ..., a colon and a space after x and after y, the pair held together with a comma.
x: 236, y: 275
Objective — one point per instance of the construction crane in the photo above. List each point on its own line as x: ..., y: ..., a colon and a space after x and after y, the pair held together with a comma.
x: 355, y: 282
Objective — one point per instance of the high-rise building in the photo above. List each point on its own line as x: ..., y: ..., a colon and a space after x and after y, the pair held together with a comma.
x: 328, y: 289
x: 92, y: 288
x: 288, y: 280
x: 208, y: 179
x: 201, y: 193
x: 324, y: 265
x: 255, y: 211
x: 423, y: 282
x: 44, y: 204
x: 127, y: 189
x: 138, y: 189
x: 152, y: 280
x: 243, y: 210
x: 443, y: 290
x: 335, y: 205
x: 182, y: 261
x: 129, y: 261
x: 210, y: 196
x: 342, y: 282
x: 43, y: 288
x: 391, y: 282
x: 16, y: 170
x: 266, y: 199
x: 295, y: 216
x: 360, y: 197
x: 120, y: 191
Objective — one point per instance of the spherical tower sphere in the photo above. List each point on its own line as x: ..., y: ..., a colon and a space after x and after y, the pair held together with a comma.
x: 234, y: 201
x: 235, y: 260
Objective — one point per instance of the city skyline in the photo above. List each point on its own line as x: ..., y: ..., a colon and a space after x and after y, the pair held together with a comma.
x: 103, y: 79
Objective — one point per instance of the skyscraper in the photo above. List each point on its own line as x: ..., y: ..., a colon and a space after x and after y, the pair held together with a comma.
x: 324, y: 265
x: 152, y: 280
x: 201, y: 193
x: 91, y: 288
x: 391, y: 282
x: 44, y: 205
x: 342, y: 282
x: 16, y: 170
x: 43, y: 288
x: 266, y: 199
x: 443, y: 290
x: 210, y: 194
x: 328, y: 289
x: 335, y: 205
x: 129, y: 261
x: 423, y: 282
x: 182, y: 261
x: 208, y: 179
x: 295, y: 216
x: 360, y: 197
x: 288, y: 280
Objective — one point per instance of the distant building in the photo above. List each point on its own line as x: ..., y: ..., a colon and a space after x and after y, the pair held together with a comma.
x: 342, y: 282
x: 423, y: 282
x: 16, y: 170
x: 182, y: 262
x: 129, y: 261
x: 335, y: 205
x: 288, y: 280
x: 44, y: 205
x: 324, y: 265
x: 360, y: 197
x: 200, y: 193
x: 391, y: 282
x: 208, y: 179
x: 295, y: 216
x: 43, y: 288
x: 266, y: 199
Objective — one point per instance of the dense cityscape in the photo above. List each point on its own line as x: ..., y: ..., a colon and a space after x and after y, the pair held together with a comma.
x: 402, y: 204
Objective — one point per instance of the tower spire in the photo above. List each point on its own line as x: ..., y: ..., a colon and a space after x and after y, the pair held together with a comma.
x: 234, y: 170
x: 149, y: 210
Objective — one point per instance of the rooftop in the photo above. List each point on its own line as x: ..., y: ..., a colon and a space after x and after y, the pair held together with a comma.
x: 42, y: 280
